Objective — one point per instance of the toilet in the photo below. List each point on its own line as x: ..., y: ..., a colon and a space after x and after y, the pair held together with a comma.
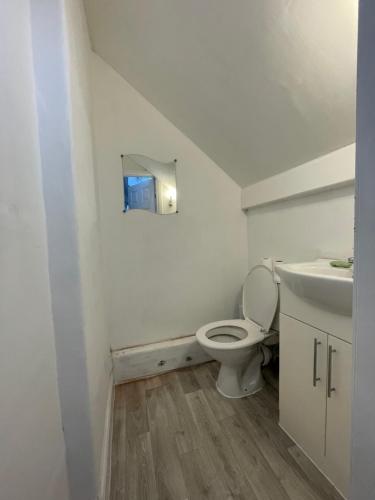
x: 237, y: 343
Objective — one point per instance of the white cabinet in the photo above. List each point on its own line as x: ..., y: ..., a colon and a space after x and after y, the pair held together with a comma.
x: 315, y: 396
x: 338, y: 424
x: 303, y: 355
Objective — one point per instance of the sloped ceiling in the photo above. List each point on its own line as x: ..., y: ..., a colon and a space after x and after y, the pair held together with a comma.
x: 259, y: 85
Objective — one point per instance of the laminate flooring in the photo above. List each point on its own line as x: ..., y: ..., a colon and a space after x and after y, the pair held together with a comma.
x: 176, y: 438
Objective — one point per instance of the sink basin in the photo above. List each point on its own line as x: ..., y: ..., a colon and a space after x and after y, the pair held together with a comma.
x: 319, y: 282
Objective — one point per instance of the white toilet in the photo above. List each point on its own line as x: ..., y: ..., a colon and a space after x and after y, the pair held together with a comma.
x: 236, y: 343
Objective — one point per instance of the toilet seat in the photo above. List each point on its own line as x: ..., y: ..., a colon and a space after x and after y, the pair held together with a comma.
x: 259, y: 301
x: 251, y: 334
x: 260, y: 296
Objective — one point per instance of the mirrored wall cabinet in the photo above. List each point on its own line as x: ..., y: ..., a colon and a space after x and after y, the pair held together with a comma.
x: 149, y: 185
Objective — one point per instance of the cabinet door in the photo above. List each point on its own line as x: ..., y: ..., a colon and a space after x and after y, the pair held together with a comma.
x: 303, y: 378
x: 339, y: 413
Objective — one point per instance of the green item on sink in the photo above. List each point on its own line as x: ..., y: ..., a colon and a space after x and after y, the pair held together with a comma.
x: 341, y: 263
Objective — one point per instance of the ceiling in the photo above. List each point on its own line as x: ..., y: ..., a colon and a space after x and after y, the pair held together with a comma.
x: 260, y: 86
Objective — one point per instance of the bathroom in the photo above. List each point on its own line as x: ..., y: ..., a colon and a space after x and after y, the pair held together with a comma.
x: 192, y: 184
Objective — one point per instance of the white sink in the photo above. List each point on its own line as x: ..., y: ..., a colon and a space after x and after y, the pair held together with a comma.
x: 319, y: 282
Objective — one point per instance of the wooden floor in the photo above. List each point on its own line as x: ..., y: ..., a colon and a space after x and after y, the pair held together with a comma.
x: 175, y: 437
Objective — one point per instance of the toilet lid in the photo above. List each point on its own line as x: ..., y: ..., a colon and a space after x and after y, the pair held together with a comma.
x: 260, y: 296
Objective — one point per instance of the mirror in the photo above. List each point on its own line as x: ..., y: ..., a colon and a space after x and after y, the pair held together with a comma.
x: 149, y: 185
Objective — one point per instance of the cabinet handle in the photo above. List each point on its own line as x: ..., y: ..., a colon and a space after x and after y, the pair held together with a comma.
x: 315, y: 378
x: 330, y: 389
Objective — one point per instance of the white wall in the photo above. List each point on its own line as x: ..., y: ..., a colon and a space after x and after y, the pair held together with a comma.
x: 55, y: 140
x: 363, y: 420
x: 304, y: 228
x: 61, y: 50
x: 98, y: 356
x: 165, y: 275
x: 32, y: 463
x: 303, y: 213
x: 337, y: 169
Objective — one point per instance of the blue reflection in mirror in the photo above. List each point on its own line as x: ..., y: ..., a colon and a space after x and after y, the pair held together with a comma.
x: 140, y: 193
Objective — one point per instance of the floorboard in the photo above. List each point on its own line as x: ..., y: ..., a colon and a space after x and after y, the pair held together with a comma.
x: 176, y: 438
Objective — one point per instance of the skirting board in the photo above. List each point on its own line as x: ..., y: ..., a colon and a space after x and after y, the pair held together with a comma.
x: 152, y: 359
x: 105, y: 463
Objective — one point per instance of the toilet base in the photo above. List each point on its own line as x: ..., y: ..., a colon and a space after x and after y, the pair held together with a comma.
x: 241, y: 381
x: 245, y: 394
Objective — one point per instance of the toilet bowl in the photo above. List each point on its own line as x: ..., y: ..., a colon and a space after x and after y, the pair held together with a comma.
x: 237, y: 343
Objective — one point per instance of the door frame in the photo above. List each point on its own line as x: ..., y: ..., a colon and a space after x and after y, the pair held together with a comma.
x: 363, y: 405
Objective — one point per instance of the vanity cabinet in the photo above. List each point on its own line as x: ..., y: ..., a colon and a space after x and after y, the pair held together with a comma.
x: 315, y: 396
x: 337, y: 457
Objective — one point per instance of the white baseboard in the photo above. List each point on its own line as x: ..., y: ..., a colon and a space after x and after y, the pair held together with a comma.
x: 152, y: 359
x: 105, y: 464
